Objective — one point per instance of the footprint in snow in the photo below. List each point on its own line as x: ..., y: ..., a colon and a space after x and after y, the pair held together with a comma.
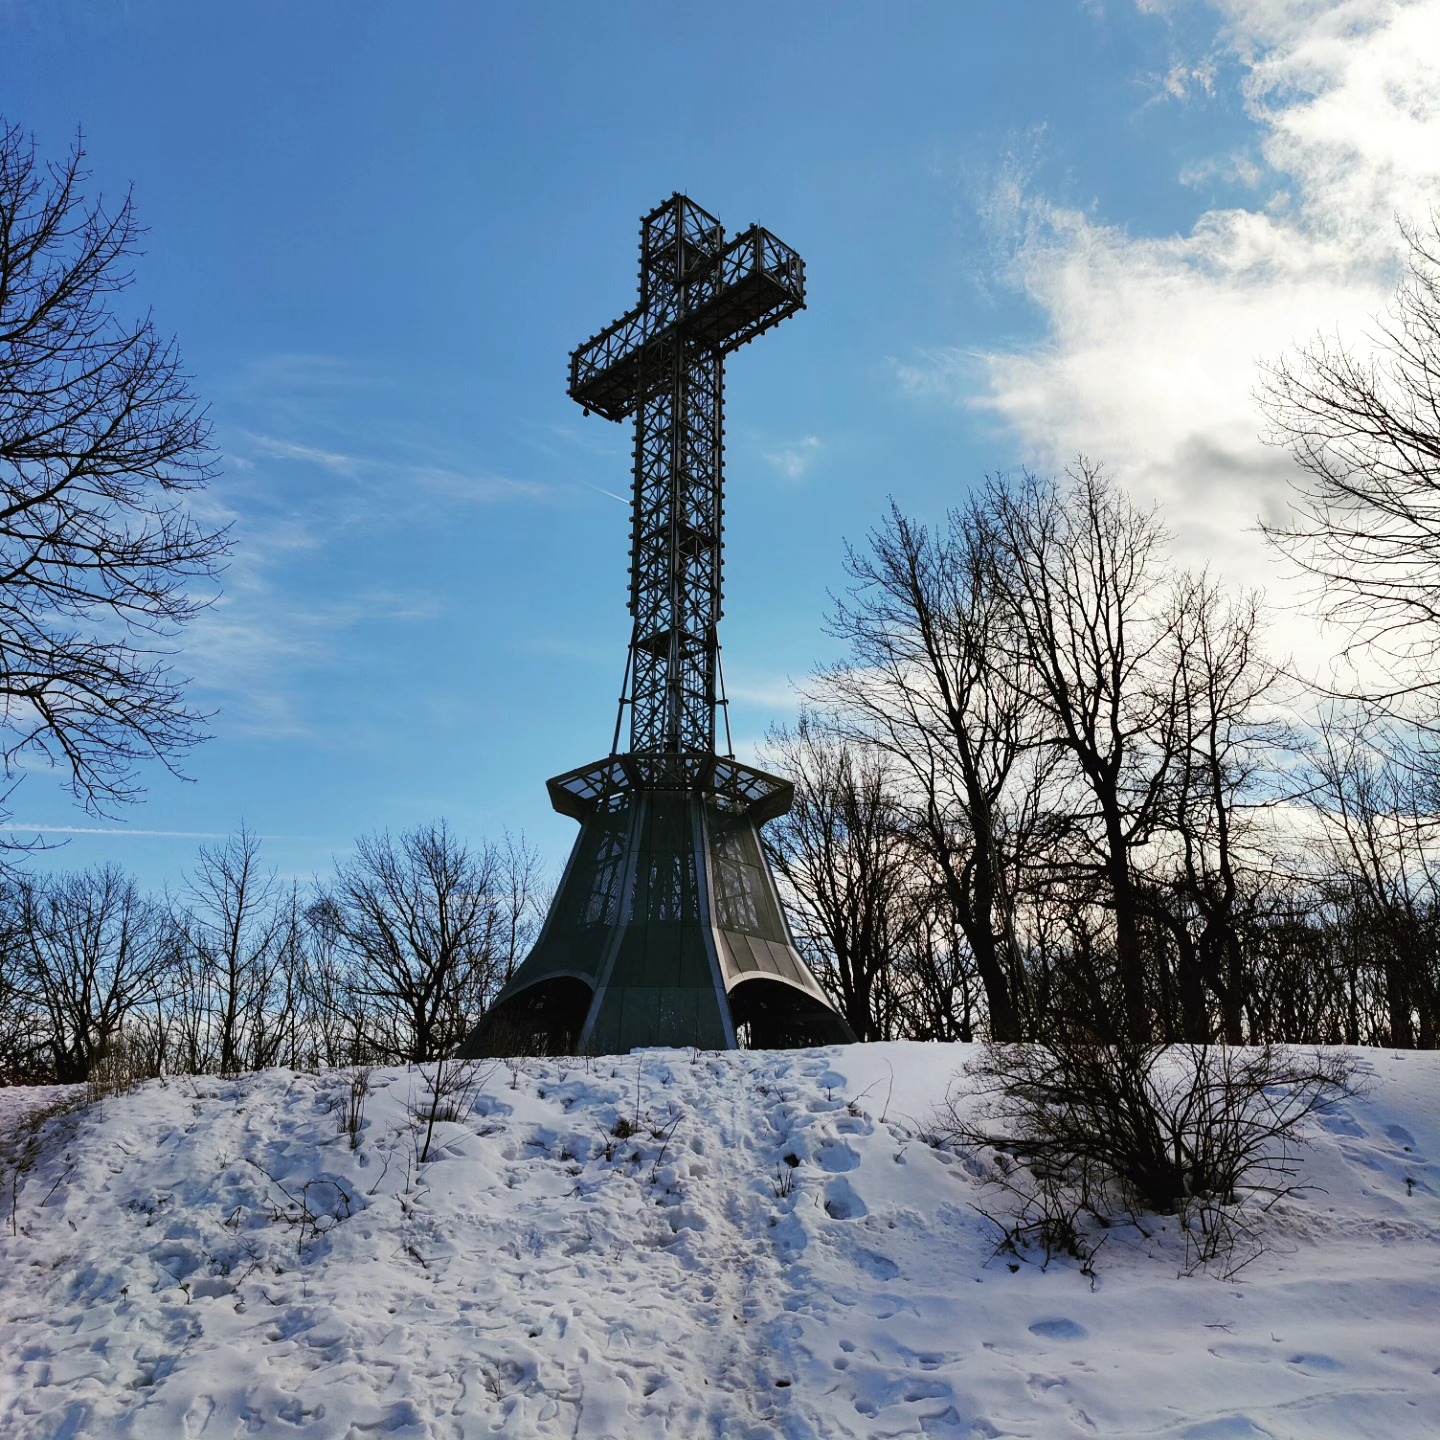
x: 1315, y: 1364
x: 1230, y: 1427
x: 842, y: 1203
x: 177, y: 1259
x: 198, y: 1415
x: 922, y: 1359
x: 1058, y: 1329
x: 835, y: 1156
x: 880, y: 1266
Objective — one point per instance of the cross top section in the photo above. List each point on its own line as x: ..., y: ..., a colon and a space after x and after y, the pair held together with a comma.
x: 700, y: 298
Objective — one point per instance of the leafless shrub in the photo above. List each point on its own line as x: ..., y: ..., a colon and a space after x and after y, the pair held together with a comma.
x: 665, y: 1134
x: 449, y: 1090
x: 113, y: 1071
x: 313, y: 1208
x: 784, y: 1182
x: 1047, y: 1213
x: 353, y: 1116
x: 1080, y: 1129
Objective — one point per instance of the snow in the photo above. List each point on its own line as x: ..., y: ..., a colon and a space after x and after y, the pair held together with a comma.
x: 166, y: 1281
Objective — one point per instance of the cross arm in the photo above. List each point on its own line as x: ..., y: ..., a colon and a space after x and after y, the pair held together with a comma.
x: 753, y: 284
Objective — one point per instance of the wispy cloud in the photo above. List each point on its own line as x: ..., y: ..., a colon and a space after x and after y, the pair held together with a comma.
x: 793, y: 458
x: 252, y: 648
x: 763, y: 693
x: 1151, y: 356
x: 274, y: 449
x: 1241, y: 168
x: 567, y: 649
x: 346, y: 420
x: 470, y: 488
x: 1184, y: 80
x: 322, y: 466
x: 381, y: 487
x: 590, y: 436
x: 940, y: 372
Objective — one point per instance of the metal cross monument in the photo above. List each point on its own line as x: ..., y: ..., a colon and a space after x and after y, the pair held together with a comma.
x: 666, y: 928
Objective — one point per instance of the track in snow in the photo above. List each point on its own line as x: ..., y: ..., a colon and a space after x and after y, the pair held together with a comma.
x: 543, y: 1277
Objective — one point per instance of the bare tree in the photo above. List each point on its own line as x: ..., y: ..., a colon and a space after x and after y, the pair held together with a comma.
x: 98, y: 951
x: 931, y: 681
x: 100, y: 438
x: 1380, y: 859
x: 424, y: 923
x: 523, y: 899
x: 333, y: 1014
x: 851, y: 876
x: 24, y: 1056
x: 933, y: 987
x: 1225, y: 694
x: 1082, y: 570
x: 240, y: 928
x: 1303, y: 985
x: 1080, y: 746
x: 1365, y: 430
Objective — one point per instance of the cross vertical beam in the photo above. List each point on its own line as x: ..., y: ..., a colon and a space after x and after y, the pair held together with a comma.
x: 676, y: 563
x: 700, y: 298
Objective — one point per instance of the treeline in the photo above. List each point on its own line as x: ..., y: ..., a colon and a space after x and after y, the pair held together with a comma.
x: 1058, y: 785
x: 390, y: 960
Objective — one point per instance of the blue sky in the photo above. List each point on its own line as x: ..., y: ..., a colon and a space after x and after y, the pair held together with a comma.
x: 377, y: 231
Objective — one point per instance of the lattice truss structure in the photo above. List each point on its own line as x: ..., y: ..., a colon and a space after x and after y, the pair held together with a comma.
x: 666, y: 927
x: 700, y: 298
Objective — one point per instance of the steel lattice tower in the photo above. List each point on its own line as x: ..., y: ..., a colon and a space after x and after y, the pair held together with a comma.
x: 666, y: 928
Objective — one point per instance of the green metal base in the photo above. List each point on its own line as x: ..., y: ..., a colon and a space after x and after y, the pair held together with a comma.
x: 666, y: 928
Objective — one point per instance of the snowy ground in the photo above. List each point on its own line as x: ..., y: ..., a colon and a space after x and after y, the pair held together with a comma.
x: 693, y: 1283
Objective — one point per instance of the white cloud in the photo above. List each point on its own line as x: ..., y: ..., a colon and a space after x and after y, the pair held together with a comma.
x: 1236, y: 169
x: 764, y: 694
x: 275, y: 449
x: 1151, y: 358
x: 473, y: 489
x: 795, y: 457
x: 1183, y: 80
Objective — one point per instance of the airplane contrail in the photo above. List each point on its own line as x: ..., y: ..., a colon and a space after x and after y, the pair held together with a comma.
x: 14, y: 829
x: 623, y: 499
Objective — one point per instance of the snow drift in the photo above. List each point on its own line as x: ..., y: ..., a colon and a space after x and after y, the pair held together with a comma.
x: 667, y: 1244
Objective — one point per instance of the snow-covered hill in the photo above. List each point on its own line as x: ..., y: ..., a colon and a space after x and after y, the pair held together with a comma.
x: 211, y: 1258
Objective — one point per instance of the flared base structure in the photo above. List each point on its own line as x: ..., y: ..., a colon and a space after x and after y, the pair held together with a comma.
x: 666, y: 928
